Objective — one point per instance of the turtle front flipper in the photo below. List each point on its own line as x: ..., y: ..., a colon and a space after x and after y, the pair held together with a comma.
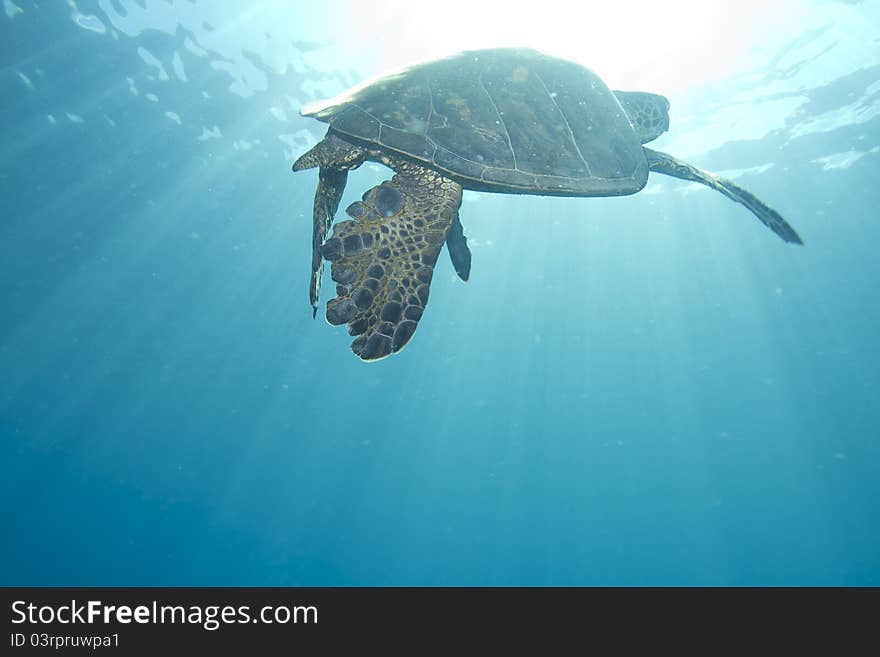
x: 335, y: 157
x: 331, y: 185
x: 671, y: 166
x: 383, y: 260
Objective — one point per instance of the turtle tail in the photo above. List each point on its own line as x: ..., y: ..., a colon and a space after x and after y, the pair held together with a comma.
x: 670, y: 166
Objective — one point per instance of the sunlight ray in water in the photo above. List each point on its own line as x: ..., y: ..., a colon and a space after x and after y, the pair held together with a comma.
x: 645, y: 389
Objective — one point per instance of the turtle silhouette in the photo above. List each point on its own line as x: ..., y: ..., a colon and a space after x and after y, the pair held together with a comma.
x: 512, y: 121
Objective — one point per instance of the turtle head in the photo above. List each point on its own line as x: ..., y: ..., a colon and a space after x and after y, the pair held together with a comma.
x: 648, y: 113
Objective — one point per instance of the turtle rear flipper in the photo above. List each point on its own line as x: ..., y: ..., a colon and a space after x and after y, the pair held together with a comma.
x: 459, y: 253
x: 383, y: 260
x: 671, y: 166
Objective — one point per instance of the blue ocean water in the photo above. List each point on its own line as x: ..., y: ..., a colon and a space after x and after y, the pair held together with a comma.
x: 651, y: 389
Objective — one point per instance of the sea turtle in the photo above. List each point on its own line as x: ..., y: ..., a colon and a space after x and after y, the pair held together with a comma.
x: 512, y: 121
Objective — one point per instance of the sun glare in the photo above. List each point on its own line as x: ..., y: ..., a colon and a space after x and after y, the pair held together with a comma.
x: 665, y: 46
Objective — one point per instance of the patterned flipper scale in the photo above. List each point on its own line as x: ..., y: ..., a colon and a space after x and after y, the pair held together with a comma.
x: 383, y: 259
